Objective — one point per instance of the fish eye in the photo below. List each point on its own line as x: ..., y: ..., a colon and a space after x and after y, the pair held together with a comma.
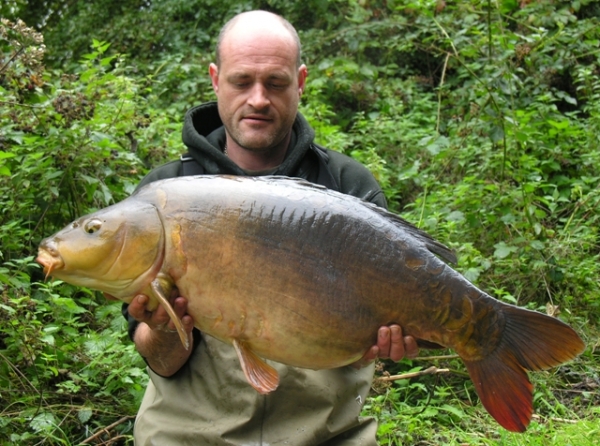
x: 92, y: 226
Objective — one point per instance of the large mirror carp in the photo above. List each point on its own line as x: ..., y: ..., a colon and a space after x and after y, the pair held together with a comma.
x: 292, y: 272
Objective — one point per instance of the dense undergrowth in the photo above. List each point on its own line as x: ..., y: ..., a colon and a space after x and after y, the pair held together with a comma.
x: 479, y: 119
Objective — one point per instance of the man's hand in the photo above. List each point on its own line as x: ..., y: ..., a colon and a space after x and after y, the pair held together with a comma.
x: 159, y: 318
x: 390, y: 345
x: 156, y: 337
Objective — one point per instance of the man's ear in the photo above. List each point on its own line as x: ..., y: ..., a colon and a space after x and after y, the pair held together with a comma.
x: 302, y: 73
x: 213, y: 71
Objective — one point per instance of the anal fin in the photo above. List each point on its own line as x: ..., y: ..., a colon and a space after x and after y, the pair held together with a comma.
x: 259, y: 374
x: 159, y: 293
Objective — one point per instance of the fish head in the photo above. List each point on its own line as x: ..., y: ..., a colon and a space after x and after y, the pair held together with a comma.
x: 118, y: 250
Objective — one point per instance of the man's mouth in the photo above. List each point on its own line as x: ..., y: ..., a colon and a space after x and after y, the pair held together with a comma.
x: 257, y: 118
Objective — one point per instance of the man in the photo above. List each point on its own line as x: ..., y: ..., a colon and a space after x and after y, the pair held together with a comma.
x: 200, y: 396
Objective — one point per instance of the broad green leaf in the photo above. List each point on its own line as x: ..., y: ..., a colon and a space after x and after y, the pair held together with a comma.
x: 503, y: 250
x: 453, y: 410
x: 497, y: 134
x: 472, y: 274
x: 51, y: 328
x: 537, y: 244
x: 48, y: 339
x: 456, y: 216
x: 84, y: 414
x: 43, y: 422
x: 559, y: 124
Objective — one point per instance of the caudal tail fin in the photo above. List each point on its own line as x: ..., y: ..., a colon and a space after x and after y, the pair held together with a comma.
x: 531, y: 341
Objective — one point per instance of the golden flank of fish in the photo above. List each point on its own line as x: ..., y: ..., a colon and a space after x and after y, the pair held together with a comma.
x: 293, y: 272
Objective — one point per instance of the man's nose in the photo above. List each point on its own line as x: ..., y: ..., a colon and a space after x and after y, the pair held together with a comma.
x: 259, y: 97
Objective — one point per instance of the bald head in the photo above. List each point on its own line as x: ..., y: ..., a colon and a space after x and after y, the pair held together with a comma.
x: 258, y: 23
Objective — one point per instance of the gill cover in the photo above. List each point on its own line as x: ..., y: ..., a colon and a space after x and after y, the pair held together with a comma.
x: 118, y: 250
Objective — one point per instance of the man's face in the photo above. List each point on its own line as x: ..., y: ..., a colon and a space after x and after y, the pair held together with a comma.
x: 258, y: 87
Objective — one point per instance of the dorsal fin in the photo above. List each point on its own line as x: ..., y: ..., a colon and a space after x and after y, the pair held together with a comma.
x: 433, y: 245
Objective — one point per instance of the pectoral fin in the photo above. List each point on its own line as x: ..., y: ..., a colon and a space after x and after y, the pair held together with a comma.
x: 160, y: 295
x: 259, y: 374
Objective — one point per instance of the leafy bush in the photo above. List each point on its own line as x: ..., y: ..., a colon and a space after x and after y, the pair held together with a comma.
x: 70, y: 144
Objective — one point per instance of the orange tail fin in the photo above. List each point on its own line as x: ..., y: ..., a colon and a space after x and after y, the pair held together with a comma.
x: 530, y: 341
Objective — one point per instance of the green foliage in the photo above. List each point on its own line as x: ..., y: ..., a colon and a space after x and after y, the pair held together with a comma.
x: 479, y: 119
x: 65, y: 367
x: 518, y: 155
x: 409, y: 411
x: 69, y: 144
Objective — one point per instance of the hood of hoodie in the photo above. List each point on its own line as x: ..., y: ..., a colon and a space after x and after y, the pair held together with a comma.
x: 204, y: 135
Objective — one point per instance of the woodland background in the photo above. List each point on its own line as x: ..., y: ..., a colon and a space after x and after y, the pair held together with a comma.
x: 480, y: 119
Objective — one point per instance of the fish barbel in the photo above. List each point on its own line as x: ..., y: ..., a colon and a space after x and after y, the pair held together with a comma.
x: 292, y: 272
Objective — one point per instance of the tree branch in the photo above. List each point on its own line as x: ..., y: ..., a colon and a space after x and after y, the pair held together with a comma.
x: 106, y: 429
x: 429, y: 371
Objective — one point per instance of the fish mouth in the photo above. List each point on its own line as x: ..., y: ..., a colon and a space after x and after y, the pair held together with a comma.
x: 50, y: 261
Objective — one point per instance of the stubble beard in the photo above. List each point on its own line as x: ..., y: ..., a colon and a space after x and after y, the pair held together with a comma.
x: 264, y: 142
